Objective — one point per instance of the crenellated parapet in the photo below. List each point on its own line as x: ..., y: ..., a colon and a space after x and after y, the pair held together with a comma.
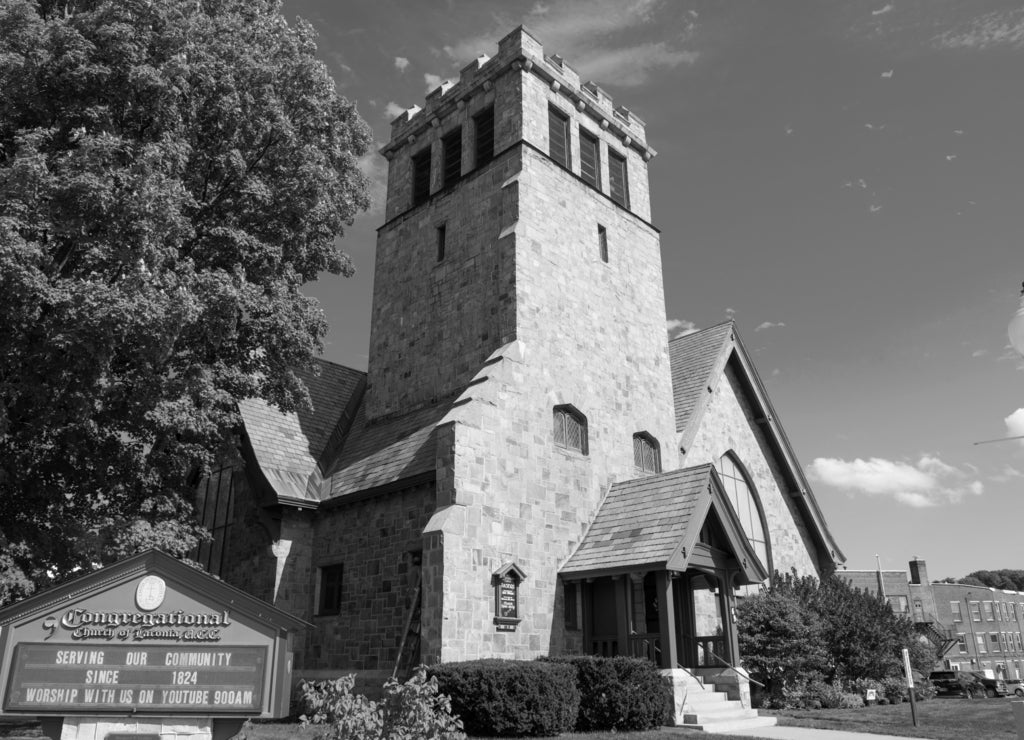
x: 519, y: 50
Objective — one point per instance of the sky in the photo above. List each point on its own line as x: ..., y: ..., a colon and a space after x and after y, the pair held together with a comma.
x: 841, y: 178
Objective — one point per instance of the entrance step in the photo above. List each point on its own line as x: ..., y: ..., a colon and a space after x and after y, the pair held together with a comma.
x: 709, y: 710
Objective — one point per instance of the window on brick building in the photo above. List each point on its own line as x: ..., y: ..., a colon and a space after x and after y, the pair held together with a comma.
x: 558, y: 137
x: 646, y: 453
x: 745, y: 501
x: 994, y: 642
x: 961, y: 642
x: 954, y: 607
x: 483, y: 128
x: 975, y: 607
x: 987, y: 608
x: 442, y: 237
x: 421, y: 177
x: 899, y: 604
x: 330, y: 589
x: 590, y: 160
x: 452, y: 146
x: 602, y: 242
x: 980, y: 641
x: 618, y: 179
x: 570, y: 429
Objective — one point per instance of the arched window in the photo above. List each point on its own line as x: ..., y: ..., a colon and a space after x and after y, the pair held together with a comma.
x: 743, y: 497
x: 646, y: 454
x: 570, y: 429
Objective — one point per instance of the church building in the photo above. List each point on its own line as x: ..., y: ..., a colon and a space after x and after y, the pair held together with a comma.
x: 528, y: 466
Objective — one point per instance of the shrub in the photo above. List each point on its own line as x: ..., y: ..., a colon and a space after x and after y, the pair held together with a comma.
x: 618, y: 693
x: 850, y: 701
x: 895, y: 690
x: 410, y: 711
x: 509, y: 697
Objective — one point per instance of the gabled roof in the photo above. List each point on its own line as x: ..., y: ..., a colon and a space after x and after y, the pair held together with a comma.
x: 698, y: 361
x: 385, y: 451
x: 288, y: 446
x: 654, y: 523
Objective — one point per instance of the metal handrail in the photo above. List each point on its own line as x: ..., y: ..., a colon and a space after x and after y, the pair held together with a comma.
x: 735, y: 669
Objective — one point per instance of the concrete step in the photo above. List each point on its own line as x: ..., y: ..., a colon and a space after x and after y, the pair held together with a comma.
x: 731, y: 725
x: 732, y: 709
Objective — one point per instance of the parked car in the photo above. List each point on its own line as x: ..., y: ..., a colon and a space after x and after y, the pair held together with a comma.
x: 1015, y: 686
x: 993, y: 686
x: 957, y: 683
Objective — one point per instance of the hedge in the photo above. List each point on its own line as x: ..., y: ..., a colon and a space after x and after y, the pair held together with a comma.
x: 618, y: 693
x: 511, y: 697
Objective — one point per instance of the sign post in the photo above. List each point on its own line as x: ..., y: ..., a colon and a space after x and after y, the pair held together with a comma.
x: 910, y: 685
x: 147, y: 647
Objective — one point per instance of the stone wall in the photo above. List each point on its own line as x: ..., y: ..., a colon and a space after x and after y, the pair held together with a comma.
x: 378, y: 540
x: 728, y: 424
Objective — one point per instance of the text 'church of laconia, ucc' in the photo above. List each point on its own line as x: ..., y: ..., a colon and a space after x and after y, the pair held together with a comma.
x: 528, y: 466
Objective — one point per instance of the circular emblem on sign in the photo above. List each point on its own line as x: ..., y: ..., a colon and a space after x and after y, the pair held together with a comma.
x: 150, y: 593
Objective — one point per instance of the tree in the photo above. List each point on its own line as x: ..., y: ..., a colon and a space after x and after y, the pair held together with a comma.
x: 171, y: 172
x: 832, y: 630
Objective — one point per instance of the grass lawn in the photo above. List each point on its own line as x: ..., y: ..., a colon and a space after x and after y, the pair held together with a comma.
x: 943, y: 719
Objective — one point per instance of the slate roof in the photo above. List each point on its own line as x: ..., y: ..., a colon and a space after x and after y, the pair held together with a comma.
x: 383, y: 452
x: 289, y: 445
x: 693, y: 357
x: 643, y: 522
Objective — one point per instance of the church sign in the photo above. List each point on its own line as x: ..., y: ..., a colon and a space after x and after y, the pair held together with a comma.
x: 506, y: 597
x: 148, y: 635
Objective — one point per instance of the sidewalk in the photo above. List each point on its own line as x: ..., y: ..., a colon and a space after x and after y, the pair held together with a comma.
x: 808, y: 733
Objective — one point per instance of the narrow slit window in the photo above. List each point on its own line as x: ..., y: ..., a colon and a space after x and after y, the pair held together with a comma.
x: 590, y: 160
x: 330, y: 589
x: 618, y: 179
x: 602, y: 242
x: 421, y: 177
x: 442, y: 237
x: 558, y: 136
x: 483, y: 125
x: 452, y: 144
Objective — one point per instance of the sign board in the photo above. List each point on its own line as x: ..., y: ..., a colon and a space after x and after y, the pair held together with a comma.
x: 148, y: 635
x: 506, y: 597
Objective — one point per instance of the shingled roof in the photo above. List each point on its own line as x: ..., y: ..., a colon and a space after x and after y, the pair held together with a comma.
x: 654, y: 523
x: 383, y: 452
x: 288, y: 445
x: 694, y: 358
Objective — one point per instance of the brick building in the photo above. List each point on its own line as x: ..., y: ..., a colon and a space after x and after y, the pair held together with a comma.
x: 528, y: 466
x: 974, y: 628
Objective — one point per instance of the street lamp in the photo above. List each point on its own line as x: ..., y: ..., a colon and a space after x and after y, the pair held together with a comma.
x: 1016, y: 327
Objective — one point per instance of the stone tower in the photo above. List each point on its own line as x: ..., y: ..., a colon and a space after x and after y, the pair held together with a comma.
x: 518, y: 278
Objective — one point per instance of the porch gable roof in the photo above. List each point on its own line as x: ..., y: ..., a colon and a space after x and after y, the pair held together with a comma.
x: 654, y: 523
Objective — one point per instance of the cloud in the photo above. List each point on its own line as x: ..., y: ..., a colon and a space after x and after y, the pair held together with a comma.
x: 767, y: 325
x: 393, y: 110
x: 950, y: 157
x: 680, y: 327
x: 375, y: 167
x: 882, y: 11
x: 1015, y: 425
x: 999, y: 28
x: 432, y: 81
x: 611, y: 41
x: 887, y: 74
x: 401, y: 63
x: 979, y: 353
x: 730, y: 312
x: 1007, y: 474
x: 874, y: 208
x: 928, y: 482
